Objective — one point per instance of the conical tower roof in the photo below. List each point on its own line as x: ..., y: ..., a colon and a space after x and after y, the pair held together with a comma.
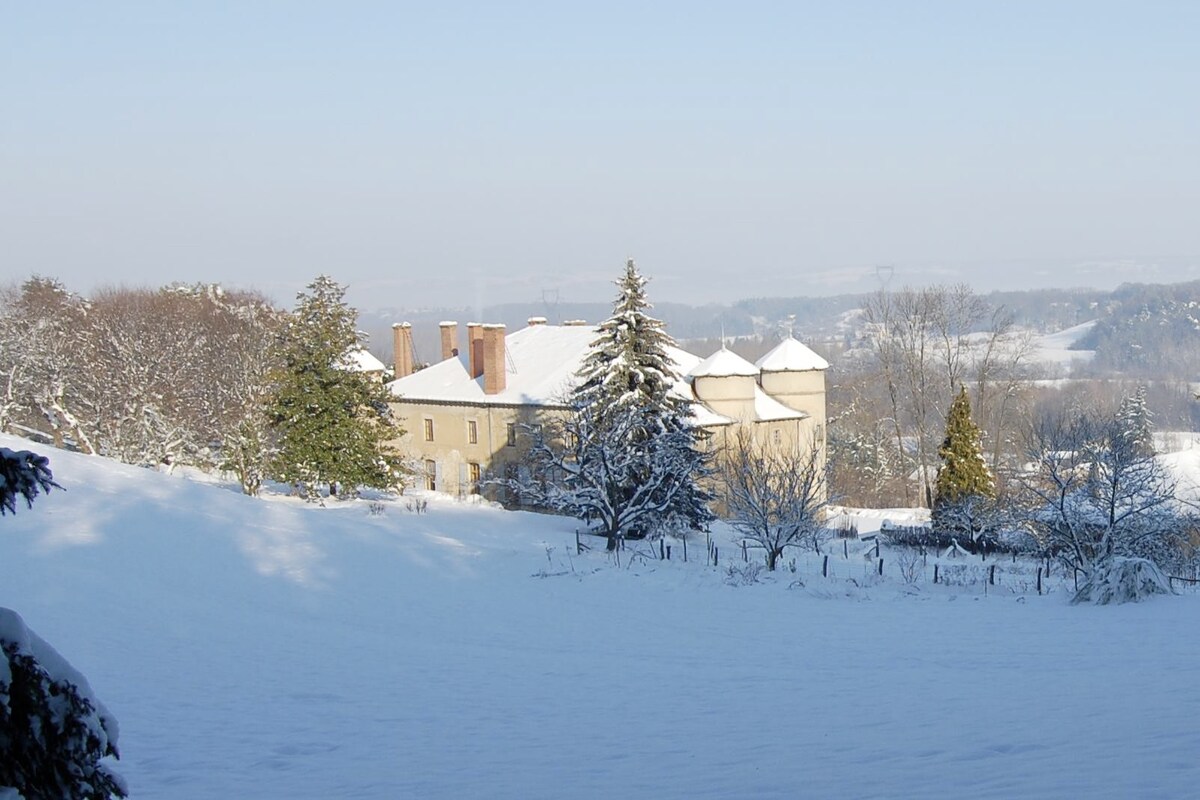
x: 791, y: 356
x: 722, y: 364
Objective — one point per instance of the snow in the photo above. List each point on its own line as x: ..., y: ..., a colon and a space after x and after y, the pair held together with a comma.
x: 1122, y: 580
x: 13, y: 629
x: 361, y: 360
x: 723, y: 364
x: 1054, y: 348
x: 271, y: 649
x: 791, y: 356
x: 768, y: 409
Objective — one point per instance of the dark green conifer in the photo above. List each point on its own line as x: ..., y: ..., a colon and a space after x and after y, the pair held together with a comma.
x: 332, y: 421
x: 963, y: 471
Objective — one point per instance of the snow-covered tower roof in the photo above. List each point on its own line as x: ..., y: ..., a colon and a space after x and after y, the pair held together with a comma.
x: 795, y: 376
x: 724, y: 364
x: 791, y: 356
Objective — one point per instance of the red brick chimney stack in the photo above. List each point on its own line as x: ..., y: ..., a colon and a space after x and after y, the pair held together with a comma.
x: 494, y: 366
x: 475, y: 348
x: 449, y: 339
x: 403, y: 349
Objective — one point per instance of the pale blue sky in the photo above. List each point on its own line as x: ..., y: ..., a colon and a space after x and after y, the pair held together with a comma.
x: 439, y: 153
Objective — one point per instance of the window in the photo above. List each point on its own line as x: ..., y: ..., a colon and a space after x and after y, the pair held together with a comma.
x: 512, y: 434
x: 428, y: 430
x: 473, y: 474
x: 431, y: 475
x: 472, y: 432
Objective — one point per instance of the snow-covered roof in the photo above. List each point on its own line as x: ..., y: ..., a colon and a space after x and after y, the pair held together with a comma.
x: 540, y: 362
x: 791, y: 356
x: 768, y: 409
x: 362, y: 361
x: 723, y: 364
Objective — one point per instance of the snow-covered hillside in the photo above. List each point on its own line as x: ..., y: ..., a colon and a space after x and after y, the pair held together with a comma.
x: 1055, y: 348
x: 269, y: 649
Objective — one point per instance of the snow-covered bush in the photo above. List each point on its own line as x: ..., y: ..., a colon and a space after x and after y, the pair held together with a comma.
x: 743, y: 575
x: 1122, y: 580
x: 54, y: 733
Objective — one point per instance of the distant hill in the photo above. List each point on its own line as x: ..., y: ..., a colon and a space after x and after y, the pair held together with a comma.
x: 1141, y: 329
x: 1148, y: 330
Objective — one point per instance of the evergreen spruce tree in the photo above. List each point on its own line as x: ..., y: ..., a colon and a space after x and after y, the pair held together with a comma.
x: 1134, y: 421
x: 964, y: 485
x: 54, y: 734
x: 628, y: 452
x: 332, y: 422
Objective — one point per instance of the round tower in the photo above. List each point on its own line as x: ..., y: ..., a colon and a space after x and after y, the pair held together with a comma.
x: 725, y: 383
x: 795, y: 376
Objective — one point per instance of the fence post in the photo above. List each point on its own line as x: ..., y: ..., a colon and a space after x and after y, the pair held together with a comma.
x: 1039, y: 580
x: 845, y: 548
x: 578, y: 545
x: 881, y: 566
x: 935, y: 573
x: 714, y: 555
x: 685, y: 548
x: 992, y: 574
x: 825, y: 567
x: 661, y: 550
x: 877, y: 548
x: 744, y: 556
x: 668, y: 552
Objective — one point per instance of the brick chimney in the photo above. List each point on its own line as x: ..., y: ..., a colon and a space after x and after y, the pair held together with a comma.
x: 535, y: 321
x: 494, y: 366
x: 402, y: 347
x: 449, y: 339
x: 475, y: 348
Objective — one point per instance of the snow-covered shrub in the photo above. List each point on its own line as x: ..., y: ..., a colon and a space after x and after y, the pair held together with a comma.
x: 911, y: 564
x: 1122, y: 580
x: 53, y: 732
x: 743, y: 575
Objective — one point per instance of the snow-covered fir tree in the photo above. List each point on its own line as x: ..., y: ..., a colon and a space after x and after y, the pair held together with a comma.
x: 629, y: 455
x: 1135, y: 422
x: 332, y: 422
x: 1094, y: 496
x: 53, y: 732
x: 23, y: 475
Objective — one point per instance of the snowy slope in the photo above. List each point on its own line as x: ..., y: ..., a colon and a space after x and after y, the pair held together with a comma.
x: 1055, y: 348
x: 267, y: 649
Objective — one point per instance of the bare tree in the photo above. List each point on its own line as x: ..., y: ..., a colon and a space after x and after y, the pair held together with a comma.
x: 775, y: 497
x: 42, y: 332
x: 927, y: 344
x: 1093, y: 494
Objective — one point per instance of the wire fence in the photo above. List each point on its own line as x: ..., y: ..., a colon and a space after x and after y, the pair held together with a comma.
x: 868, y: 560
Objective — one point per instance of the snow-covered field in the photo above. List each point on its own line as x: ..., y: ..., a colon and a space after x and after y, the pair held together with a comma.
x: 268, y: 649
x: 1055, y: 348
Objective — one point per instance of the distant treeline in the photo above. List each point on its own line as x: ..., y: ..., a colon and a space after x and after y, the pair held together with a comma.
x: 1148, y: 330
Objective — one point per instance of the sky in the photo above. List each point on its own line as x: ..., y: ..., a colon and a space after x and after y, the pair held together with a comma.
x: 459, y: 154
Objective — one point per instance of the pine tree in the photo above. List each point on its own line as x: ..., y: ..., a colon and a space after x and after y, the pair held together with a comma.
x: 627, y: 368
x: 1134, y: 420
x: 964, y: 483
x: 25, y: 475
x: 630, y: 454
x: 332, y: 422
